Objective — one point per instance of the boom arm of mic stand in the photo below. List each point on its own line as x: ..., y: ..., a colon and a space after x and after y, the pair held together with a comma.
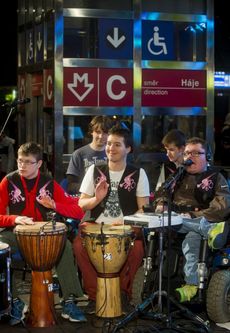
x: 173, y: 178
x: 3, y: 127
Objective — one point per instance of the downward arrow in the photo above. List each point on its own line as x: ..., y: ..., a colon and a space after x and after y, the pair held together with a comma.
x: 39, y: 41
x: 82, y: 79
x: 116, y: 41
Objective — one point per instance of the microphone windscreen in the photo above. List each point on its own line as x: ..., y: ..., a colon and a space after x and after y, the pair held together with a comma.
x: 187, y: 162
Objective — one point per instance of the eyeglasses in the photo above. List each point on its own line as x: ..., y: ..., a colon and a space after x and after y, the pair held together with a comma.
x: 26, y: 162
x: 193, y: 153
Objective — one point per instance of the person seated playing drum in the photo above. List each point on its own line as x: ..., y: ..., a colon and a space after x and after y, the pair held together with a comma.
x: 111, y: 192
x: 30, y: 196
x: 202, y: 195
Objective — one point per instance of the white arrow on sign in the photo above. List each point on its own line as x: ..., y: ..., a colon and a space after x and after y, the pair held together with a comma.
x: 84, y: 78
x: 116, y: 41
x: 39, y: 41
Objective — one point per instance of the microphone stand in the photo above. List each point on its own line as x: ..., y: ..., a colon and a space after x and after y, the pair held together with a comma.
x: 12, y: 107
x: 7, y: 119
x: 140, y: 309
x: 168, y: 188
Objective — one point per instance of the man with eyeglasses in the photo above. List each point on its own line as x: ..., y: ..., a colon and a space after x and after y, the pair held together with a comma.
x: 29, y: 196
x: 202, y: 195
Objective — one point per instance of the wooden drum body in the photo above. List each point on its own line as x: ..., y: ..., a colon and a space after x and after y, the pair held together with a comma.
x: 41, y: 246
x: 107, y: 249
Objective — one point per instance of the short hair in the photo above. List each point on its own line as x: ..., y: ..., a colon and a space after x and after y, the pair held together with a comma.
x: 31, y: 148
x: 196, y: 140
x: 124, y: 133
x: 103, y: 123
x: 174, y: 136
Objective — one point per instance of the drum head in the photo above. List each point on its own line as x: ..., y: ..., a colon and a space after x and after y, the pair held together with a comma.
x: 107, y: 229
x: 4, y: 246
x: 46, y: 227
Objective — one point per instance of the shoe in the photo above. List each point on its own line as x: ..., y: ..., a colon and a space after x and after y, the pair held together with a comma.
x: 72, y: 312
x: 90, y: 308
x: 217, y: 235
x: 18, y: 311
x: 186, y: 292
x: 83, y: 298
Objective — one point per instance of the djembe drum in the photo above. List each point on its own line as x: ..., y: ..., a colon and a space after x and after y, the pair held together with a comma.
x: 107, y: 249
x: 41, y: 246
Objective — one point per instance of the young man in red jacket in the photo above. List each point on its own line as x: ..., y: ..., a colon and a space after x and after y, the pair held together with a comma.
x: 29, y: 196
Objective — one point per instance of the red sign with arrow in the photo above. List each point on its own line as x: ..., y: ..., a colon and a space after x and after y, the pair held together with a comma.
x: 98, y: 87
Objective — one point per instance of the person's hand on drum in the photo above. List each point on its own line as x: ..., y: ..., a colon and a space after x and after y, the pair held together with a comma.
x: 101, y: 190
x: 118, y: 222
x: 187, y: 215
x: 24, y: 220
x: 47, y: 202
x: 160, y: 208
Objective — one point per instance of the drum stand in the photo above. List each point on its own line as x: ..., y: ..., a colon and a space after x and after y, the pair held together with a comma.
x: 141, y: 310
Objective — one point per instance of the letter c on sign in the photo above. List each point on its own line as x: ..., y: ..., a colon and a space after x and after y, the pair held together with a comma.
x: 109, y: 87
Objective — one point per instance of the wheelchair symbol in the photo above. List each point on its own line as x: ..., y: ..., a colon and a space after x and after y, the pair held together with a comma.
x: 157, y: 42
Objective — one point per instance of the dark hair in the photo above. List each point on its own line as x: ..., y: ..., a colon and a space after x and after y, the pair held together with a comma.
x: 103, y: 123
x: 124, y: 133
x: 176, y: 137
x: 31, y: 148
x: 196, y: 140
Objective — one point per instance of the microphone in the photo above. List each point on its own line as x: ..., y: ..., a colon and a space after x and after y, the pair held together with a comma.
x: 103, y: 243
x: 18, y: 102
x: 172, y: 179
x: 52, y: 218
x: 187, y: 163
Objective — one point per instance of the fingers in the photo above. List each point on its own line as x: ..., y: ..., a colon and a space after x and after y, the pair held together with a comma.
x: 103, y: 184
x: 159, y: 209
x: 101, y: 190
x: 47, y: 202
x: 118, y: 222
x: 24, y: 220
x: 186, y: 215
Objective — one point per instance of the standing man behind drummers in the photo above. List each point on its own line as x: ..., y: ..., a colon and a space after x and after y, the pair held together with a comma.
x: 92, y: 153
x: 7, y: 155
x: 108, y: 193
x: 174, y: 143
x: 29, y: 196
x: 203, y: 196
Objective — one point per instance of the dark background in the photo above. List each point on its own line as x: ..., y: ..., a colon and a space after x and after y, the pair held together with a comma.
x: 222, y: 36
x: 8, y: 37
x: 8, y: 33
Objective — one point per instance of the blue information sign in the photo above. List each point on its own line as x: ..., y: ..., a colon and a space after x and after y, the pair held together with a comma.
x: 115, y: 39
x: 157, y: 40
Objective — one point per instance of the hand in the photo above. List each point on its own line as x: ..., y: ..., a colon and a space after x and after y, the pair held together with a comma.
x: 47, y: 202
x: 186, y: 215
x: 101, y: 190
x: 118, y: 222
x: 24, y: 220
x: 161, y: 208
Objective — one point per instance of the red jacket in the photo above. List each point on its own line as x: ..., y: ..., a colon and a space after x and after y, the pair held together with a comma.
x: 65, y: 205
